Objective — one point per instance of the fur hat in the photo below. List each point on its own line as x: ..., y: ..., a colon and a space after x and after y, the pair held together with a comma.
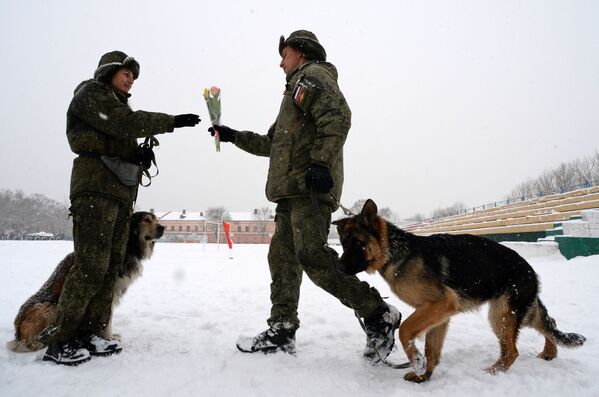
x: 305, y: 42
x: 113, y: 61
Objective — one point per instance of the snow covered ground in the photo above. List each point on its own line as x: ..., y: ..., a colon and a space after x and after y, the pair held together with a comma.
x: 180, y: 322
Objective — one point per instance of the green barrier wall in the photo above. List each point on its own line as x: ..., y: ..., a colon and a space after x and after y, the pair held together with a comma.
x: 571, y: 247
x: 529, y: 237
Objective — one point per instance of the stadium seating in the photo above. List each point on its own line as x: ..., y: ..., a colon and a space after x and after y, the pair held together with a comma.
x: 520, y: 220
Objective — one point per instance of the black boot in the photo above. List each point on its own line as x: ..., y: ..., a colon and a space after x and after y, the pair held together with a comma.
x: 99, y: 345
x: 380, y: 334
x: 67, y: 353
x: 279, y: 337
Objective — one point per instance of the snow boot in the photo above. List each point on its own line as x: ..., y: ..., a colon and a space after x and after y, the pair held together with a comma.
x: 99, y: 345
x: 380, y: 334
x: 67, y: 353
x: 279, y: 337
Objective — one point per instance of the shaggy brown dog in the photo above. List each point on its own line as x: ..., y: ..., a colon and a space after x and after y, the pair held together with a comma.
x: 38, y: 311
x: 442, y: 275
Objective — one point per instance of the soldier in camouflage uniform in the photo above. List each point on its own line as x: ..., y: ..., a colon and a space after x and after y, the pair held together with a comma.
x: 102, y: 130
x: 305, y: 177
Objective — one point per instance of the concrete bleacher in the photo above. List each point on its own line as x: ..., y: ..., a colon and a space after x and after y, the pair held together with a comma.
x: 532, y: 215
x: 587, y: 226
x: 580, y: 237
x: 557, y: 217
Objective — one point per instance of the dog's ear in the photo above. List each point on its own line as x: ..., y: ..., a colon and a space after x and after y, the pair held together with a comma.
x: 340, y: 223
x: 369, y: 211
x: 134, y: 222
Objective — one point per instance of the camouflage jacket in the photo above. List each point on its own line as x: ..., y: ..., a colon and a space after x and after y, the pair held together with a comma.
x: 311, y: 127
x: 100, y: 121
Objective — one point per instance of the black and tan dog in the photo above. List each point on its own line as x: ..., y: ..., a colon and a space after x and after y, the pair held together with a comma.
x: 442, y: 275
x: 37, y: 312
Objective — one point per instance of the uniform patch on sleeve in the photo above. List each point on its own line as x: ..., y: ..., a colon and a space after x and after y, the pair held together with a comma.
x: 299, y: 94
x: 305, y: 91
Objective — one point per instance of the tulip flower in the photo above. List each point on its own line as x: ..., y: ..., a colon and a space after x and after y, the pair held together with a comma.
x: 212, y: 97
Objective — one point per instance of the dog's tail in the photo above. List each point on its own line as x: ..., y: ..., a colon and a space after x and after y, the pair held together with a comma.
x: 566, y: 339
x: 20, y: 346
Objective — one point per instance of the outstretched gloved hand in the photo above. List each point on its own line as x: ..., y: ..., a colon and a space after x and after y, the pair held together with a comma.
x: 226, y: 134
x: 186, y: 120
x: 319, y: 179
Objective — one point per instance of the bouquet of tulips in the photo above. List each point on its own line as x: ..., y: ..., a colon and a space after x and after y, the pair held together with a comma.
x: 212, y: 97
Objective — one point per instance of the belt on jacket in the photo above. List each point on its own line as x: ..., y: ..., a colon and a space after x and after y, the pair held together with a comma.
x: 90, y: 155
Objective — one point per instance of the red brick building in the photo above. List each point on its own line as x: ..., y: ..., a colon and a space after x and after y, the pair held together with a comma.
x: 256, y: 227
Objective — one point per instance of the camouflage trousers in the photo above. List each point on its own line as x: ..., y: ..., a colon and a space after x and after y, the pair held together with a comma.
x: 100, y: 234
x: 300, y: 245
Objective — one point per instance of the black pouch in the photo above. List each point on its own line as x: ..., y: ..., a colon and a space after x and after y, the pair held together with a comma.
x: 127, y: 173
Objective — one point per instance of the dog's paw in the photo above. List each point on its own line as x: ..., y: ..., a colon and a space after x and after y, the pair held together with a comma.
x: 412, y: 377
x: 548, y: 353
x: 495, y: 368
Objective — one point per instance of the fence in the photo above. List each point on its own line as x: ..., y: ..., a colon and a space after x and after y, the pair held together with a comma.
x: 508, y: 201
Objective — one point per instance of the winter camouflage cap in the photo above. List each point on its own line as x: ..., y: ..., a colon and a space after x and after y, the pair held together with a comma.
x: 305, y: 42
x: 113, y: 61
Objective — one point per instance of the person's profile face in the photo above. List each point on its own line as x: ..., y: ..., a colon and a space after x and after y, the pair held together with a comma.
x: 291, y: 59
x: 123, y: 80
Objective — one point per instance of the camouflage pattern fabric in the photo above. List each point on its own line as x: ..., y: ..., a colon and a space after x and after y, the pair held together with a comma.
x: 299, y: 243
x: 100, y: 121
x: 100, y: 233
x: 311, y: 127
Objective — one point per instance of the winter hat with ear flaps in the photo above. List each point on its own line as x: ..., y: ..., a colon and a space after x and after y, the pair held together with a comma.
x: 113, y: 61
x: 305, y: 42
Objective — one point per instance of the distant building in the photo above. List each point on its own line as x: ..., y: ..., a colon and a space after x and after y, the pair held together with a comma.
x: 193, y: 227
x: 43, y: 236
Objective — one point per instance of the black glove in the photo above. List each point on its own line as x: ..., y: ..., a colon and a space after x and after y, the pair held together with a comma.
x: 225, y: 133
x: 319, y: 179
x: 186, y: 120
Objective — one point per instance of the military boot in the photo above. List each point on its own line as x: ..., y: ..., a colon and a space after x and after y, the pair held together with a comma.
x: 99, y: 345
x: 380, y: 334
x: 279, y: 337
x: 66, y: 353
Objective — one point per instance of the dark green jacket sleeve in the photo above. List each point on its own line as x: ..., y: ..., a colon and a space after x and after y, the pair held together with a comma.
x: 102, y: 110
x: 255, y: 144
x: 331, y: 114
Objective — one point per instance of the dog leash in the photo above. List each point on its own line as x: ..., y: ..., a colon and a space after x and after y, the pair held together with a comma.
x: 146, y: 158
x: 348, y: 212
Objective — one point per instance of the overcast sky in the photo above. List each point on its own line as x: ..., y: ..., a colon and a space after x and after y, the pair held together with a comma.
x: 451, y: 100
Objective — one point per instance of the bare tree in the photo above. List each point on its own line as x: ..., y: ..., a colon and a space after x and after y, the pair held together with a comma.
x: 21, y: 215
x: 564, y: 177
x: 523, y: 190
x: 216, y: 214
x: 586, y: 170
x: 454, y: 209
x: 416, y: 217
x: 545, y: 184
x: 583, y: 170
x: 389, y: 215
x: 594, y: 166
x: 263, y: 216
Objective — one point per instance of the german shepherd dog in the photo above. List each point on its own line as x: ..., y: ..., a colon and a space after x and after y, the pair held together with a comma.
x: 39, y: 310
x: 442, y: 275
